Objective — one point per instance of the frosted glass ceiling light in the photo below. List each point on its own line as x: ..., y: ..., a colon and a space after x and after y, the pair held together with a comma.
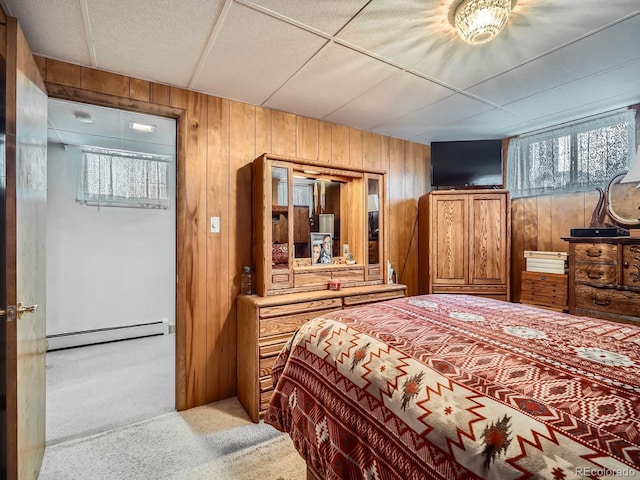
x: 479, y: 21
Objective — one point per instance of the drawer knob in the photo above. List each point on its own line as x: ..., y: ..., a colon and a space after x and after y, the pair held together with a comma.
x: 603, y: 303
x: 625, y: 264
x: 591, y: 254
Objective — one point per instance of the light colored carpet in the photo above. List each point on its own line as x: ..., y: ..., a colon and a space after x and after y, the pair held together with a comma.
x: 213, y: 442
x: 96, y: 388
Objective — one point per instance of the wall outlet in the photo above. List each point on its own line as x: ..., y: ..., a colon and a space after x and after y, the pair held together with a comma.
x: 345, y: 249
x: 215, y: 224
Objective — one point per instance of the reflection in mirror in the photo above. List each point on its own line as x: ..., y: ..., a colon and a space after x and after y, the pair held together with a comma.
x: 279, y: 211
x: 317, y: 209
x: 623, y: 202
x: 373, y: 211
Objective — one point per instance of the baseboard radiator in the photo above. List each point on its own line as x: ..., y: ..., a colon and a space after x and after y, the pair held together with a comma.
x: 102, y: 335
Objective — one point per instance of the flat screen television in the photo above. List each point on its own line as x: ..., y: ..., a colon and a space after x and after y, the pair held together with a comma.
x: 466, y: 163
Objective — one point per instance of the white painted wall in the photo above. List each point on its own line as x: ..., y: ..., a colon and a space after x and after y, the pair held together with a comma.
x: 109, y: 267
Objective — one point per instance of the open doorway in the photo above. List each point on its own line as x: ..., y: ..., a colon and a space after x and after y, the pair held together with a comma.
x: 110, y: 268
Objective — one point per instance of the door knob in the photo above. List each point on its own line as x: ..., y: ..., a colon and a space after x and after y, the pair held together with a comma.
x: 22, y: 309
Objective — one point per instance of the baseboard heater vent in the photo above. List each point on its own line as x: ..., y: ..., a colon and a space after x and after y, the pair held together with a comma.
x: 102, y: 335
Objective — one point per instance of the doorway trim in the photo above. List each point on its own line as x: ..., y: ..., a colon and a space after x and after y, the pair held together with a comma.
x: 180, y: 115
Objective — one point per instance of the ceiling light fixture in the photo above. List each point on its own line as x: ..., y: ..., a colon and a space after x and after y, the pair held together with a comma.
x: 141, y: 127
x: 479, y: 21
x: 83, y: 117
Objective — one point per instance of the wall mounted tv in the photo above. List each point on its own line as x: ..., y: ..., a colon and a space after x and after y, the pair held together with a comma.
x: 468, y: 163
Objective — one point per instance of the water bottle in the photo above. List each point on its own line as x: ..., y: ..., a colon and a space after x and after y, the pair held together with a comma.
x: 246, y: 281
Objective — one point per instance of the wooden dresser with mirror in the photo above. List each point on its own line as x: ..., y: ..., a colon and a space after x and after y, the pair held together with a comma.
x: 313, y: 224
x: 604, y: 272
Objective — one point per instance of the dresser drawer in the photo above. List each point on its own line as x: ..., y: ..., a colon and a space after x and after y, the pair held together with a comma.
x: 607, y: 300
x: 545, y: 282
x: 596, y: 252
x: 372, y: 297
x: 596, y: 273
x: 288, y: 323
x: 544, y: 289
x: 300, y: 307
x: 631, y: 266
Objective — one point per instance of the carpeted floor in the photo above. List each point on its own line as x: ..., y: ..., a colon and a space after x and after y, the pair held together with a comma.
x: 100, y: 387
x: 213, y: 442
x: 111, y: 415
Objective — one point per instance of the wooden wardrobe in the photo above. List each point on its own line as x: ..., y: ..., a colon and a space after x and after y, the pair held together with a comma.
x: 465, y: 242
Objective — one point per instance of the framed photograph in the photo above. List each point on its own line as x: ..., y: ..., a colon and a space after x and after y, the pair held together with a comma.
x: 321, y: 248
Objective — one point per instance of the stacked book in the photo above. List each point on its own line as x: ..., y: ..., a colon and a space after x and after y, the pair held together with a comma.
x: 546, y: 262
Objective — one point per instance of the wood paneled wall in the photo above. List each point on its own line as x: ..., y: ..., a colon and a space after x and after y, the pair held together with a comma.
x: 539, y: 223
x: 217, y: 141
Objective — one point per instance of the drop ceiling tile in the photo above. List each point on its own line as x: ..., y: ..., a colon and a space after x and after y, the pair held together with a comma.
x: 334, y: 77
x: 588, y: 56
x: 398, y: 95
x: 492, y: 124
x: 328, y: 17
x: 253, y: 55
x: 401, y: 31
x: 615, y: 87
x: 53, y: 32
x: 168, y: 52
x: 449, y: 110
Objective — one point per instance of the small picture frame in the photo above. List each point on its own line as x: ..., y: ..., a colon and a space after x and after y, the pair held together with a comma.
x: 321, y: 248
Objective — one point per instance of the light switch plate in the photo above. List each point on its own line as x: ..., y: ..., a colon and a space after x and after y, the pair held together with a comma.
x: 345, y: 249
x: 215, y: 224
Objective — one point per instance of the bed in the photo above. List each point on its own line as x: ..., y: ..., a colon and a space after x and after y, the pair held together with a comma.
x: 460, y: 387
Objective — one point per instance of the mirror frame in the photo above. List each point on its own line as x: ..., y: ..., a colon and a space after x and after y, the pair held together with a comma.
x: 617, y: 219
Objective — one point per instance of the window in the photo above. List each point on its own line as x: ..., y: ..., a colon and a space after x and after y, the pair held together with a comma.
x: 572, y: 158
x: 121, y: 179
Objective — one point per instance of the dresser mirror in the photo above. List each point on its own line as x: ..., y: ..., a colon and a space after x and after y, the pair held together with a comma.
x: 301, y: 207
x: 623, y: 202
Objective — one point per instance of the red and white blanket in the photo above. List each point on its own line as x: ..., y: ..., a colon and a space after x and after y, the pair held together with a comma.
x: 461, y: 387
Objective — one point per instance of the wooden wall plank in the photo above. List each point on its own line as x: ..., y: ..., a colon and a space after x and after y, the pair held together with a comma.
x: 63, y: 73
x: 372, y: 151
x: 139, y: 90
x: 543, y: 216
x: 355, y: 148
x: 160, y: 94
x: 283, y: 133
x: 398, y: 229
x: 339, y: 145
x: 415, y: 187
x: 307, y: 138
x: 242, y: 141
x: 194, y: 259
x: 517, y: 246
x: 263, y: 131
x: 220, y: 341
x: 567, y: 212
x: 104, y: 82
x: 324, y: 142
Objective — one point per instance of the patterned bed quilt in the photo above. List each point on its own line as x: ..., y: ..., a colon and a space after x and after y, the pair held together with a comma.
x: 461, y: 387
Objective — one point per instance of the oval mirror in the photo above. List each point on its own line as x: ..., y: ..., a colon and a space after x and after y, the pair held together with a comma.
x: 623, y: 202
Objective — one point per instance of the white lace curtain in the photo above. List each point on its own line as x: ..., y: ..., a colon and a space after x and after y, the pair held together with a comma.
x: 571, y: 158
x: 112, y: 178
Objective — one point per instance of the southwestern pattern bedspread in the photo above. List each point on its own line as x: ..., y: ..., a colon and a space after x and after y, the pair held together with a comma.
x: 461, y: 387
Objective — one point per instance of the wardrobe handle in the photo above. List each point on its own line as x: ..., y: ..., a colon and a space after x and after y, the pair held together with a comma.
x: 593, y: 255
x: 595, y: 277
